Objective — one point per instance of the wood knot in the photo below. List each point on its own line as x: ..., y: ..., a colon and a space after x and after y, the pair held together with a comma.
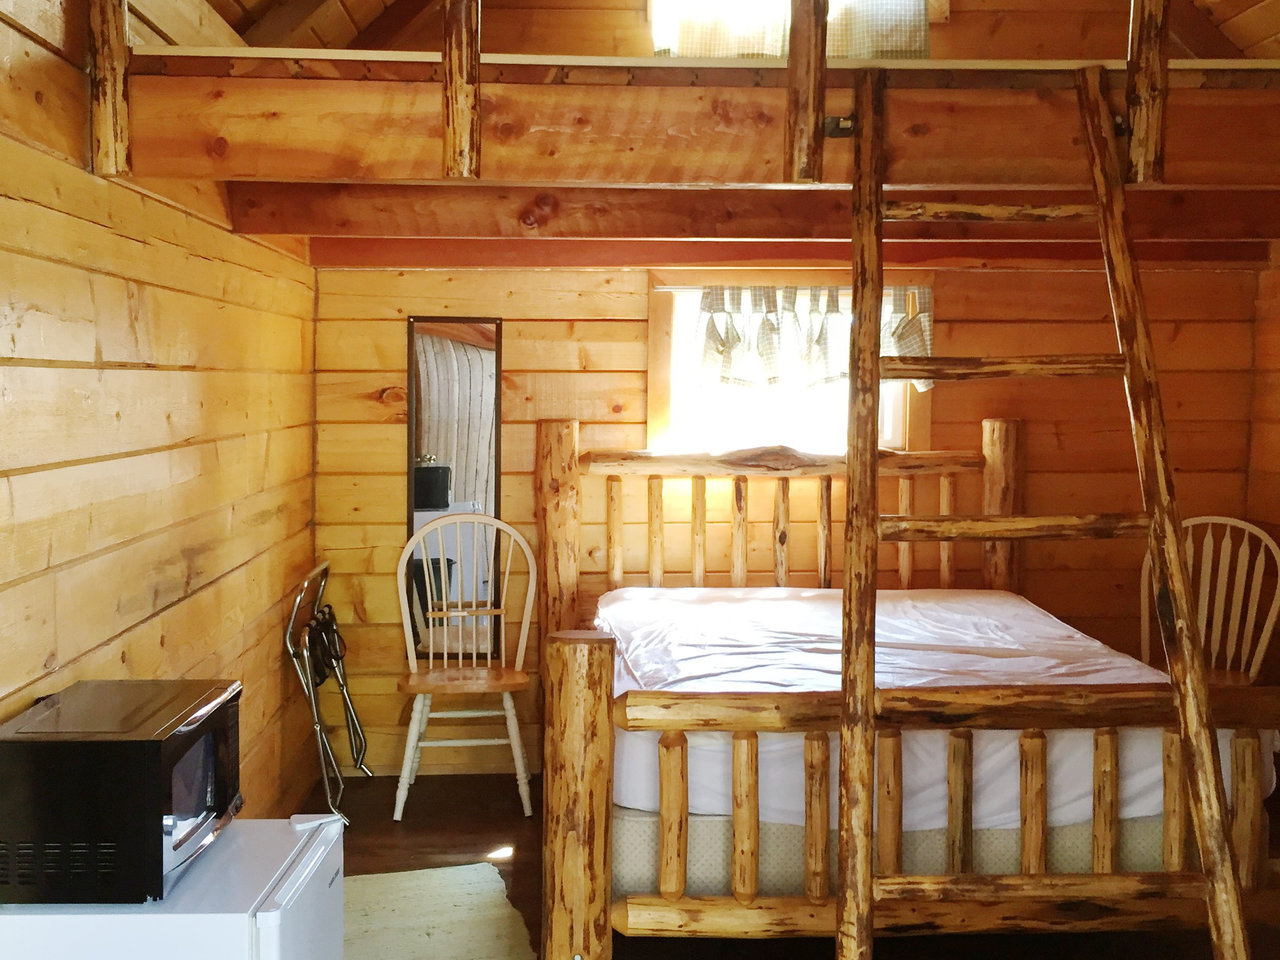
x: 218, y: 147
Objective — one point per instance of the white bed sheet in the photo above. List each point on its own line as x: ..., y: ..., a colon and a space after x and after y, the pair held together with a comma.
x: 788, y: 639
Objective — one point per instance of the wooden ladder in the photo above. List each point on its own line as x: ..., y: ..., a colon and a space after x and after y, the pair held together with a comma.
x: 1161, y: 522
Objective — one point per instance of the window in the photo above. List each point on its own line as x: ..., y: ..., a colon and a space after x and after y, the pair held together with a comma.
x: 861, y: 29
x: 733, y: 368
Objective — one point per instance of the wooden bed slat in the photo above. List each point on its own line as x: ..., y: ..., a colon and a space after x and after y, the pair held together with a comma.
x: 698, y: 531
x: 824, y: 532
x: 889, y: 801
x: 673, y: 813
x: 1106, y: 798
x: 960, y: 801
x: 946, y: 549
x: 656, y: 535
x: 1175, y: 825
x: 745, y: 879
x: 613, y: 530
x: 1034, y: 800
x: 1246, y: 803
x: 817, y: 815
x: 906, y: 554
x: 782, y: 532
x: 738, y: 535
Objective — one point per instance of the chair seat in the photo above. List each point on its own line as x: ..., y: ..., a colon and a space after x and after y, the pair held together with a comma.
x: 1227, y: 678
x: 464, y: 680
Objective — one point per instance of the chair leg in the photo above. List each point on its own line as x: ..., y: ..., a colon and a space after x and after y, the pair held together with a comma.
x: 411, y: 750
x: 421, y: 735
x: 517, y: 753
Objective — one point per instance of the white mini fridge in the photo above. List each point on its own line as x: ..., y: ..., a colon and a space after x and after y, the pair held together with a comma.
x: 264, y: 890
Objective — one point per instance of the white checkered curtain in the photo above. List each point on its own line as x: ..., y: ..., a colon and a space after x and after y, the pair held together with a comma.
x: 756, y: 336
x: 856, y: 29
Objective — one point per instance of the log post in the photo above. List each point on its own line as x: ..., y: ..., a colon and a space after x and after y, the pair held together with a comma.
x: 698, y: 531
x: 1174, y: 840
x: 806, y: 90
x: 559, y: 521
x: 782, y: 532
x: 1001, y: 496
x: 738, y: 534
x: 889, y: 800
x: 1106, y: 798
x: 461, y: 88
x: 109, y: 108
x: 960, y: 801
x: 824, y: 532
x: 946, y: 549
x: 906, y: 550
x: 1174, y: 610
x: 614, y: 530
x: 817, y: 814
x: 745, y: 879
x: 1033, y: 787
x: 1247, y: 833
x: 673, y: 814
x: 1147, y: 88
x: 657, y: 540
x: 862, y: 522
x: 577, y: 796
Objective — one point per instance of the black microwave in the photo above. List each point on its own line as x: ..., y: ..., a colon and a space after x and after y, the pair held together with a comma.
x: 110, y: 787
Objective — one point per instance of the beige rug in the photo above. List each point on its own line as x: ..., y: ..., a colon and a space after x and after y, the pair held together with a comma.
x: 449, y: 913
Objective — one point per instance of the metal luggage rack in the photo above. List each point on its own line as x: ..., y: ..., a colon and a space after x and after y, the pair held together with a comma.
x: 316, y: 648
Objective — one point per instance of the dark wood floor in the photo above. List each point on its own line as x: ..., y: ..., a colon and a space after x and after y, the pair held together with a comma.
x: 461, y: 819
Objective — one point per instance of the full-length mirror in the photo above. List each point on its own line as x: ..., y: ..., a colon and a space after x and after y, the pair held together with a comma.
x: 453, y: 442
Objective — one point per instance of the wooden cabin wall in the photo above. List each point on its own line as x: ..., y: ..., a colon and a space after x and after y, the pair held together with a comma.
x: 156, y: 425
x: 980, y: 29
x: 575, y: 345
x: 1264, y: 461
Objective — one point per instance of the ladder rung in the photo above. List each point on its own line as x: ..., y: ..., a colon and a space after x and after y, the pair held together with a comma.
x: 1098, y: 526
x: 928, y: 211
x: 977, y: 368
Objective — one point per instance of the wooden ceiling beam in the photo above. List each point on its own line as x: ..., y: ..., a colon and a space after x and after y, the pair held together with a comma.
x: 1192, y: 30
x: 192, y: 23
x: 799, y: 254
x: 268, y: 129
x: 817, y: 212
x: 399, y: 17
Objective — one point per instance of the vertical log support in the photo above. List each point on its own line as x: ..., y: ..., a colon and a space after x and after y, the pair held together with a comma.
x: 109, y: 109
x: 738, y: 534
x: 673, y: 814
x: 461, y: 88
x: 1247, y: 834
x: 558, y: 511
x: 960, y: 801
x: 1001, y: 496
x: 806, y: 90
x: 578, y: 793
x: 889, y: 801
x: 1175, y: 803
x: 657, y: 540
x: 1106, y: 798
x: 745, y: 879
x: 946, y: 549
x: 1178, y: 628
x: 906, y: 552
x: 817, y: 814
x: 861, y: 532
x: 1033, y: 787
x: 1147, y: 88
x: 613, y: 531
x: 782, y: 532
x: 698, y: 531
x: 824, y: 532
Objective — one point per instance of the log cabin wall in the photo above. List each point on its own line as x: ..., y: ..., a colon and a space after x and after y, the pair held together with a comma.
x: 1264, y: 447
x: 156, y: 424
x: 575, y: 345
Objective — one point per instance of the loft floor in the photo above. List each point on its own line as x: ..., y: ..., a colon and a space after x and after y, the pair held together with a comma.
x: 452, y: 820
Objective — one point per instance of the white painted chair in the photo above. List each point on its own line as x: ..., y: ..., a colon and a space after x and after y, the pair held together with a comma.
x: 1234, y: 568
x: 475, y: 580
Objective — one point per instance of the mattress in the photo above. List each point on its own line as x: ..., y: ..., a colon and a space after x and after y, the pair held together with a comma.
x: 788, y: 640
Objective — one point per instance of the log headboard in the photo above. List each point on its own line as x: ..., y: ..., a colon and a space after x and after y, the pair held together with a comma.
x: 583, y: 500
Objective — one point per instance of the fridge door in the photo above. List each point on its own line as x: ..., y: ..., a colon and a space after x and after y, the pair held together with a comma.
x: 302, y: 916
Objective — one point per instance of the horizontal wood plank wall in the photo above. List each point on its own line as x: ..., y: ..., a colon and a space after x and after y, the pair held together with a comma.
x: 156, y: 427
x: 573, y: 345
x: 1264, y: 444
x: 1079, y: 446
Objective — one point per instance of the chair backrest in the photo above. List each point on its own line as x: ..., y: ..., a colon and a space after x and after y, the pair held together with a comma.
x: 464, y: 580
x: 1234, y: 568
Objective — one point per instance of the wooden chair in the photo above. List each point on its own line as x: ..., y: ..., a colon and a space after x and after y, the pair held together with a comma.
x: 1234, y: 568
x: 454, y: 605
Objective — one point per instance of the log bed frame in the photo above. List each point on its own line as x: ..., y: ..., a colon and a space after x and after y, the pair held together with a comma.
x: 579, y: 913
